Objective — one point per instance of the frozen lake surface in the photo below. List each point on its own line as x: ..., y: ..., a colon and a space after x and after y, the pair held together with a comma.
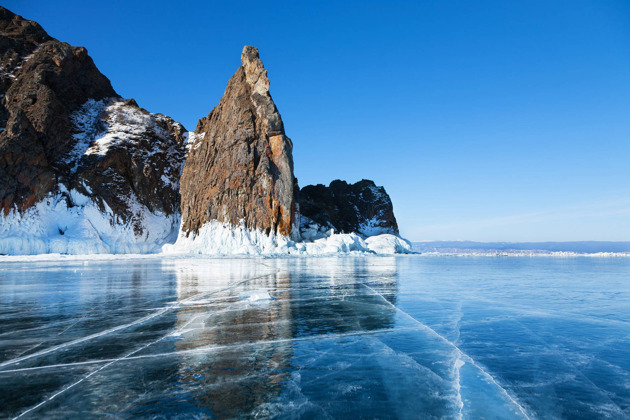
x: 355, y: 337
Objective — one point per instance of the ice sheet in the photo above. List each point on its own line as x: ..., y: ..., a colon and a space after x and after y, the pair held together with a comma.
x: 329, y: 337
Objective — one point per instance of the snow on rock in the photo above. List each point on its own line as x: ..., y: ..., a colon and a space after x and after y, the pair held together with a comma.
x: 71, y: 223
x: 193, y: 140
x: 311, y: 231
x: 125, y: 124
x: 101, y: 125
x: 374, y: 226
x: 88, y: 125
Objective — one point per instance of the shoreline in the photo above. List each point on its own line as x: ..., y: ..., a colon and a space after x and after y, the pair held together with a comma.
x: 167, y: 256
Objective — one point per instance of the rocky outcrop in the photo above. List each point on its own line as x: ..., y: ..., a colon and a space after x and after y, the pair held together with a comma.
x: 84, y: 171
x: 361, y: 208
x: 239, y: 168
x: 63, y: 128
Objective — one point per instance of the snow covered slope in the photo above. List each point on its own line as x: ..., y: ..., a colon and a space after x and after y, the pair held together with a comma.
x: 68, y: 222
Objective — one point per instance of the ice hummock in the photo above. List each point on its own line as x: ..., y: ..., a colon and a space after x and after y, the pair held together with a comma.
x: 217, y: 238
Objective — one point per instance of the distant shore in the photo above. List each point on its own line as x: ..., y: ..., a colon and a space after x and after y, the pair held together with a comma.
x: 524, y: 249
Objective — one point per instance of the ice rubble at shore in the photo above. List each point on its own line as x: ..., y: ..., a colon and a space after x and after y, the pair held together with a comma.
x: 55, y: 226
x: 216, y: 238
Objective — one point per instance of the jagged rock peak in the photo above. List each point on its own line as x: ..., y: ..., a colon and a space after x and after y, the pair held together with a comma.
x: 239, y: 168
x: 256, y: 77
x: 255, y: 72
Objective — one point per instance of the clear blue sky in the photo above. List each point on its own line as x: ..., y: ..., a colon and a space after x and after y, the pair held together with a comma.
x: 489, y: 120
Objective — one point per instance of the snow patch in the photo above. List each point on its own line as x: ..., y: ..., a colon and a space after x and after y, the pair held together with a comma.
x: 373, y: 227
x: 169, y: 183
x: 102, y: 125
x: 89, y: 125
x: 193, y: 140
x: 125, y: 124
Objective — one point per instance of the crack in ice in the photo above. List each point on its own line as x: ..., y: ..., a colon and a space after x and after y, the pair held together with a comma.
x: 465, y: 356
x: 211, y: 348
x: 84, y: 339
x: 142, y: 320
x: 457, y: 365
x: 576, y: 370
x: 94, y: 372
x: 128, y: 355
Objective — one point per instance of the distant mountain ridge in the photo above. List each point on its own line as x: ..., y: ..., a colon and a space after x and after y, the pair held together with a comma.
x: 582, y: 247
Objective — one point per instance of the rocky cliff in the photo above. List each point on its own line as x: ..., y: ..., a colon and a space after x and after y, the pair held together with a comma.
x: 239, y: 168
x: 43, y: 81
x: 362, y: 207
x: 68, y: 141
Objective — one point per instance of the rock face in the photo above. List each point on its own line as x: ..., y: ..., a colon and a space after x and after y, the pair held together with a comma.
x: 239, y: 167
x: 64, y: 128
x: 126, y: 159
x: 362, y: 208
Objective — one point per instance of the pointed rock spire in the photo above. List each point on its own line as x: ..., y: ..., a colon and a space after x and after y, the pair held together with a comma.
x: 239, y: 167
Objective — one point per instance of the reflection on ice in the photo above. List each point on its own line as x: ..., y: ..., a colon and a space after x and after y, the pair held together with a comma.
x: 384, y: 337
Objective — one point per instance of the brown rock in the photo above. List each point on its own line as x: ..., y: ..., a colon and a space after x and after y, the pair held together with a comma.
x: 240, y: 164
